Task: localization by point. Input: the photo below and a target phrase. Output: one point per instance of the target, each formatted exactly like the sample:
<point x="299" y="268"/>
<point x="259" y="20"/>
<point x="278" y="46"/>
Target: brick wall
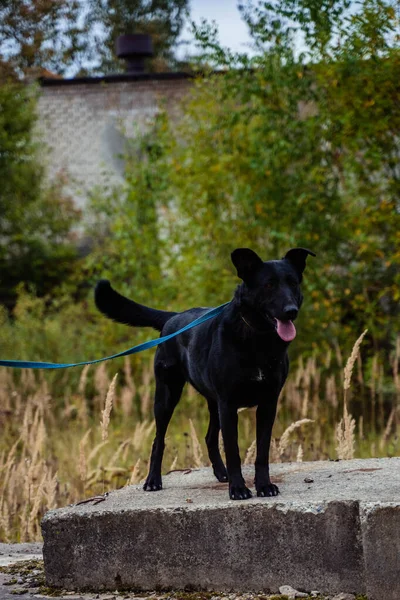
<point x="83" y="124"/>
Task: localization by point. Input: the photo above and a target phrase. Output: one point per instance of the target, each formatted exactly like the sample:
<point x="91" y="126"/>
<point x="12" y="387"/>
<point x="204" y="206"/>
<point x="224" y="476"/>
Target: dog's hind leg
<point x="169" y="386"/>
<point x="212" y="439"/>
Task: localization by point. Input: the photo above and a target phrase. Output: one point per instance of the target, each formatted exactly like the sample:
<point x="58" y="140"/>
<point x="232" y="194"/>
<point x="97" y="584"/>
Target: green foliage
<point x="35" y="223"/>
<point x="41" y="34"/>
<point x="37" y="36"/>
<point x="280" y="150"/>
<point x="162" y="19"/>
<point x="126" y="226"/>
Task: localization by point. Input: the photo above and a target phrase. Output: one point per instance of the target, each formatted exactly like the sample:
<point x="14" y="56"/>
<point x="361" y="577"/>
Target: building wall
<point x="83" y="124"/>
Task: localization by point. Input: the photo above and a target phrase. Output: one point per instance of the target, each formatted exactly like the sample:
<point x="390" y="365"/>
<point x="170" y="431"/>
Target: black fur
<point x="128" y="312"/>
<point x="237" y="359"/>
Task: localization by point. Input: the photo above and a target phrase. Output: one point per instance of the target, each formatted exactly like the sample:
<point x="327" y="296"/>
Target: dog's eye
<point x="269" y="285"/>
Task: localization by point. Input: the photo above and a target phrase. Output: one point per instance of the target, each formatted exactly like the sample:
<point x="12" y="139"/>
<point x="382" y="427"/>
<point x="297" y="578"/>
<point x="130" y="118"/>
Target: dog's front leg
<point x="229" y="424"/>
<point x="265" y="419"/>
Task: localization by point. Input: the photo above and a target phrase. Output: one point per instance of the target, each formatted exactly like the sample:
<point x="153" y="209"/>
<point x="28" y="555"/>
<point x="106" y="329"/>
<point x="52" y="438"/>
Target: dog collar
<point x="253" y="328"/>
<point x="248" y="324"/>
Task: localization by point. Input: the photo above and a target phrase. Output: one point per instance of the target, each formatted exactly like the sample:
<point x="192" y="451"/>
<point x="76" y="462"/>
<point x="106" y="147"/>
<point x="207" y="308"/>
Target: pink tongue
<point x="286" y="330"/>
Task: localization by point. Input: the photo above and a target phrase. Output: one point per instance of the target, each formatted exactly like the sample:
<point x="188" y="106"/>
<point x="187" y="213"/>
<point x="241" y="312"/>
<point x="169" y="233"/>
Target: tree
<point x="162" y="19"/>
<point x="36" y="244"/>
<point x="282" y="149"/>
<point x="42" y="34"/>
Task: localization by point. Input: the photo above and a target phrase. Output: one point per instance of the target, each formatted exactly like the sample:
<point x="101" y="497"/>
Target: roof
<point x="51" y="81"/>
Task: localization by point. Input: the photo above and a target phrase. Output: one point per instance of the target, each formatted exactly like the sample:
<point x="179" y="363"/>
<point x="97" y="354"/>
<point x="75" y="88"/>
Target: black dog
<point x="236" y="359"/>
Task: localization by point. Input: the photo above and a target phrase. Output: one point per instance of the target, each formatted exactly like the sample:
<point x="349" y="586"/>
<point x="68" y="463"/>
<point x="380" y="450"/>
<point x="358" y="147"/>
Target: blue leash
<point x="26" y="364"/>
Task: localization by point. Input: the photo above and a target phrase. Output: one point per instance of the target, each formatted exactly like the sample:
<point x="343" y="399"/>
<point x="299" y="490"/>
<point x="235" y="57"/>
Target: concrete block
<point x="337" y="533"/>
<point x="381" y="542"/>
<point x="242" y="548"/>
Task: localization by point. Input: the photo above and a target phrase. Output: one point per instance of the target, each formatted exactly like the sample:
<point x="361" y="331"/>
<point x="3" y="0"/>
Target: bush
<point x="36" y="240"/>
<point x="278" y="151"/>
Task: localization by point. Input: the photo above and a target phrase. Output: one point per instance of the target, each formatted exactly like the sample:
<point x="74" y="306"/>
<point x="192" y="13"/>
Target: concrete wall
<point x="84" y="122"/>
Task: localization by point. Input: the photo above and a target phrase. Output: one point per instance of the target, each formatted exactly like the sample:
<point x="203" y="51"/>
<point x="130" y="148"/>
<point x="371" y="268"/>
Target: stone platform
<point x="335" y="527"/>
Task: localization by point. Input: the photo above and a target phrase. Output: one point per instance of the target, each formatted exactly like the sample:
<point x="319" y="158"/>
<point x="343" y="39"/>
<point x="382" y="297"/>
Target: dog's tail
<point x="128" y="312"/>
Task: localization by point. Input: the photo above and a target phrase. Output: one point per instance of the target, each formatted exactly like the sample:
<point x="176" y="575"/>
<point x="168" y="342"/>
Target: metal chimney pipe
<point x="134" y="48"/>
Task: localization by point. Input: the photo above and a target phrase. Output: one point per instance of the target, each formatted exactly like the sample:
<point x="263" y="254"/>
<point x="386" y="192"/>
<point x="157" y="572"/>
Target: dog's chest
<point x="254" y="376"/>
<point x="259" y="375"/>
<point x="262" y="374"/>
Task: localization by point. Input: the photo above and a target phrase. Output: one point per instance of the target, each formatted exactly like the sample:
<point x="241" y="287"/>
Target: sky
<point x="233" y="31"/>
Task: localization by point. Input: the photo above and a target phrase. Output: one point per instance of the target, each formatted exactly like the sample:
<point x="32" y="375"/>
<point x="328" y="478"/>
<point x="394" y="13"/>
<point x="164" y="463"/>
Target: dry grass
<point x="345" y="437"/>
<point x="105" y="415"/>
<point x="54" y="452"/>
<point x="196" y="446"/>
<point x="348" y="370"/>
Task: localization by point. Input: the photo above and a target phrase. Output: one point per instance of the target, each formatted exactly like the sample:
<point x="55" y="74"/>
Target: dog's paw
<point x="221" y="474"/>
<point x="153" y="484"/>
<point x="239" y="492"/>
<point x="268" y="489"/>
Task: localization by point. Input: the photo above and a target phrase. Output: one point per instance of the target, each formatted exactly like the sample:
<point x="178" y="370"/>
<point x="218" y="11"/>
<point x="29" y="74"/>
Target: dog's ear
<point x="298" y="256"/>
<point x="246" y="261"/>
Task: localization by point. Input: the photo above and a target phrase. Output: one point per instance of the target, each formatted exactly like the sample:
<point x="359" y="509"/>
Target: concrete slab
<point x="13" y="553"/>
<point x="380" y="526"/>
<point x="332" y="528"/>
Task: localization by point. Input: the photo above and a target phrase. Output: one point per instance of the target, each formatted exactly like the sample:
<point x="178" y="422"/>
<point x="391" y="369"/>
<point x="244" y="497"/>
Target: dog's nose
<point x="290" y="312"/>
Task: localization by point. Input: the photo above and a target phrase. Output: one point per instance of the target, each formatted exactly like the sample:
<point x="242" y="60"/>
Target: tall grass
<point x="63" y="440"/>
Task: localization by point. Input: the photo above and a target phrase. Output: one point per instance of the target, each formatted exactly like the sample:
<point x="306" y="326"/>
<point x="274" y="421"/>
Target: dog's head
<point x="272" y="289"/>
